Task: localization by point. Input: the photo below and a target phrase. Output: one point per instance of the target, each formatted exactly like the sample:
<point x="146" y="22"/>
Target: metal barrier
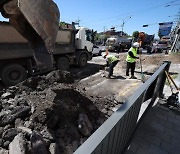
<point x="115" y="133"/>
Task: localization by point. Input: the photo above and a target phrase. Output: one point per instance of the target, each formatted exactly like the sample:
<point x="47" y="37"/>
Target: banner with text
<point x="165" y="28"/>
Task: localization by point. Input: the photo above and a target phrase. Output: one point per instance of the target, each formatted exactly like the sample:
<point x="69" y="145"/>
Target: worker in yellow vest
<point x="112" y="61"/>
<point x="131" y="59"/>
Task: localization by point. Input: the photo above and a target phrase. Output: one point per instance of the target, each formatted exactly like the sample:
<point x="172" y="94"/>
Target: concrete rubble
<point x="44" y="115"/>
<point x="18" y="145"/>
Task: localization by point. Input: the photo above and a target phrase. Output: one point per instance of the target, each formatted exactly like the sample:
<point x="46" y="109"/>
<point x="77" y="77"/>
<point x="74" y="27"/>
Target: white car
<point x="96" y="50"/>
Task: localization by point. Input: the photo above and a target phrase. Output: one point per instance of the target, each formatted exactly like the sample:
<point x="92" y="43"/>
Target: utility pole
<point x="124" y="21"/>
<point x="104" y="29"/>
<point x="123" y="26"/>
<point x="104" y="36"/>
<point x="77" y="22"/>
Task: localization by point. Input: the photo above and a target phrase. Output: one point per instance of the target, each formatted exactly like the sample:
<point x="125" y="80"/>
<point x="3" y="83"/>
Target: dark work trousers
<point x="130" y="66"/>
<point x="111" y="67"/>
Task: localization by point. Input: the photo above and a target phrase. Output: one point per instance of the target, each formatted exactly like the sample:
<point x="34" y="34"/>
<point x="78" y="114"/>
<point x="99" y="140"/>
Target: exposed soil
<point x="57" y="108"/>
<point x="153" y="59"/>
<point x="59" y="112"/>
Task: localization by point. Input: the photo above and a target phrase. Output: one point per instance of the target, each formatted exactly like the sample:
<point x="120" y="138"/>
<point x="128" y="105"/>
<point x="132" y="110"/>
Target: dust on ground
<point x="152" y="59"/>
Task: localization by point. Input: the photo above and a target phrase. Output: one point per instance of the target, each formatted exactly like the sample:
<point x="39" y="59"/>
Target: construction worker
<point x="131" y="60"/>
<point x="112" y="61"/>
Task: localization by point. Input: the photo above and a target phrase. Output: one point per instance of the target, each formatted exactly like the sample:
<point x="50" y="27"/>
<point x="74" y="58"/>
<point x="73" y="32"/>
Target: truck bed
<point x="15" y="50"/>
<point x="14" y="45"/>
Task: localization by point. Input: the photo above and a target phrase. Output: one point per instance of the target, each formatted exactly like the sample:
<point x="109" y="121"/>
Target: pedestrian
<point x="131" y="60"/>
<point x="112" y="61"/>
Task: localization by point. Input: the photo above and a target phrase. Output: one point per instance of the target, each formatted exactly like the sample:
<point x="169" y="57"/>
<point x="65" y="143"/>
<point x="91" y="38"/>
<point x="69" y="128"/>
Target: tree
<point x="97" y="37"/>
<point x="106" y="36"/>
<point x="62" y="24"/>
<point x="135" y="34"/>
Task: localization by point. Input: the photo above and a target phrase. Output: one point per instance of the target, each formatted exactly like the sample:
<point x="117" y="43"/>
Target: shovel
<point x="143" y="79"/>
<point x="103" y="73"/>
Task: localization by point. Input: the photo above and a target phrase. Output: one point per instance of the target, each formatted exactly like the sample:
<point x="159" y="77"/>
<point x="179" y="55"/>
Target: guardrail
<point x="115" y="133"/>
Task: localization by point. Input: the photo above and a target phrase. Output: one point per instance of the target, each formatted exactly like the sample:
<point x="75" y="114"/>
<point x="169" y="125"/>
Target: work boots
<point x="133" y="77"/>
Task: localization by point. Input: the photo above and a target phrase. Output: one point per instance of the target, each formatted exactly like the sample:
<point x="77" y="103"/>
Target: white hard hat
<point x="109" y="47"/>
<point x="136" y="44"/>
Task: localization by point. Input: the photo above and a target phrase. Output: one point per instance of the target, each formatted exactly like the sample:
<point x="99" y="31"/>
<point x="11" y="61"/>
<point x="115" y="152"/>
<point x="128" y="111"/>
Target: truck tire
<point x="63" y="64"/>
<point x="12" y="74"/>
<point x="149" y="50"/>
<point x="82" y="60"/>
<point x="100" y="52"/>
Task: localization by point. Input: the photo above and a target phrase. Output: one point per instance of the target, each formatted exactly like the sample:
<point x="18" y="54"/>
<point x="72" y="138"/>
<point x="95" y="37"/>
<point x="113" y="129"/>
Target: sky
<point x="101" y="15"/>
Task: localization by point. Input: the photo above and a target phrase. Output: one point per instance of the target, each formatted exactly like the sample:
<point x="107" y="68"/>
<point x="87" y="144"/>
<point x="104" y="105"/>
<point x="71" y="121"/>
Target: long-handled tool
<point x="143" y="79"/>
<point x="169" y="77"/>
<point x="103" y="73"/>
<point x="172" y="100"/>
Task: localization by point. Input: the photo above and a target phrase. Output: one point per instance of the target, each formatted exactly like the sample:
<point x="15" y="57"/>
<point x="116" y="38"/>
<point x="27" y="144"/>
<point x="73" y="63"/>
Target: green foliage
<point x="135" y="34"/>
<point x="97" y="37"/>
<point x="101" y="38"/>
<point x="62" y="24"/>
<point x="106" y="36"/>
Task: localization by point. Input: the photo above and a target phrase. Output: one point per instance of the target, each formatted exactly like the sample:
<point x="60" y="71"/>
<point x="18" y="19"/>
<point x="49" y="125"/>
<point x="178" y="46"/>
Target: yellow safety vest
<point x="112" y="59"/>
<point x="129" y="58"/>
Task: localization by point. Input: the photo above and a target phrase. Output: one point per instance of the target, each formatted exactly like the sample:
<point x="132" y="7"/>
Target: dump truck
<point x="73" y="46"/>
<point x="38" y="22"/>
<point x="118" y="44"/>
<point x="146" y="41"/>
<point x="32" y="42"/>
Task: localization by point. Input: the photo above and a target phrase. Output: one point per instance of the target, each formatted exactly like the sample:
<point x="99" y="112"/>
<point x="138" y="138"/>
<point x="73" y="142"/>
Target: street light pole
<point x="124" y="21"/>
<point x="122" y="26"/>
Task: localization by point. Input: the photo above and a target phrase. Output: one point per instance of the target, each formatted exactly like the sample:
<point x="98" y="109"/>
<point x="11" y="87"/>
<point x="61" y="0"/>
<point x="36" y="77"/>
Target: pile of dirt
<point x="157" y="59"/>
<point x="43" y="115"/>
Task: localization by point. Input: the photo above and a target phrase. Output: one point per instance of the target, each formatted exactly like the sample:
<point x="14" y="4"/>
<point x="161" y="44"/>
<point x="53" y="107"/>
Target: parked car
<point x="162" y="45"/>
<point x="96" y="50"/>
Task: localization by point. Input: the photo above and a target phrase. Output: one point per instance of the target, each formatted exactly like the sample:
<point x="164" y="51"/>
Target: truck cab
<point x="84" y="39"/>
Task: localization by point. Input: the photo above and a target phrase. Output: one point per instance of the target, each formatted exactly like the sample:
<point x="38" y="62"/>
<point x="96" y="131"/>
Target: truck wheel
<point x="149" y="50"/>
<point x="83" y="60"/>
<point x="100" y="52"/>
<point x="12" y="74"/>
<point x="63" y="64"/>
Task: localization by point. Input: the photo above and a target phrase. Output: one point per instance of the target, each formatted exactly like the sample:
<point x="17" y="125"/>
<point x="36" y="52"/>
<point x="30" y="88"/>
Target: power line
<point x="134" y="12"/>
<point x="129" y="14"/>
